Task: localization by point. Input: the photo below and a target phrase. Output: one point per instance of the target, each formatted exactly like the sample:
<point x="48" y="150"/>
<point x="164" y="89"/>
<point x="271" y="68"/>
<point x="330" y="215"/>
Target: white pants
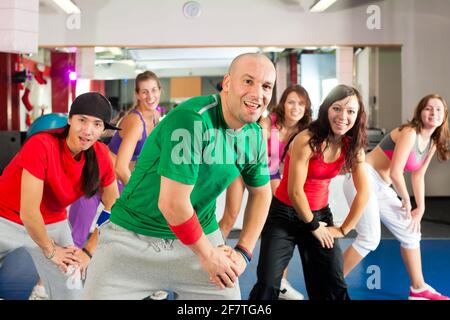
<point x="13" y="236"/>
<point x="383" y="205"/>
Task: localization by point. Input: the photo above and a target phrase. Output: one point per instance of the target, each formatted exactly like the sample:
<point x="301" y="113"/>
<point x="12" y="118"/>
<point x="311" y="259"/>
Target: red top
<point x="48" y="158"/>
<point x="317" y="181"/>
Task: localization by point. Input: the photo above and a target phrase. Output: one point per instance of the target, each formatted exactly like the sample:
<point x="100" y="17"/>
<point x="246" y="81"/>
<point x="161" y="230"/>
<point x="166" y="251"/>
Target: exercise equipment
<point x="48" y="121"/>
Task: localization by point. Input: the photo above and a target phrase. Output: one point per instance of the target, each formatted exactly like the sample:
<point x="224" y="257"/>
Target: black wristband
<point x="245" y="253"/>
<point x="313" y="224"/>
<point x="87" y="253"/>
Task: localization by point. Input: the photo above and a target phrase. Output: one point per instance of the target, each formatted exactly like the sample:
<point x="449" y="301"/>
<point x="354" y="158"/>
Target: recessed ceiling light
<point x="67" y="6"/>
<point x="321" y="5"/>
<point x="272" y="49"/>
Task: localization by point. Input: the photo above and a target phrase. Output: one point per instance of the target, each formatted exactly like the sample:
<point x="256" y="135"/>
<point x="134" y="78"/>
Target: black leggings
<point x="322" y="267"/>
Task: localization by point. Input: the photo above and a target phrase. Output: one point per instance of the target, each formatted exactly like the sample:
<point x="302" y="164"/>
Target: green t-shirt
<point x="192" y="145"/>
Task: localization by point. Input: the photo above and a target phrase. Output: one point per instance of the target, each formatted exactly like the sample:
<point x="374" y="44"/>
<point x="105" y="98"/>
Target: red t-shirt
<point x="48" y="158"/>
<point x="317" y="181"/>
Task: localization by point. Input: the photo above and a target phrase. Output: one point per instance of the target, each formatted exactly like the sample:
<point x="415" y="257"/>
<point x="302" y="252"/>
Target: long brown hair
<point x="279" y="109"/>
<point x="279" y="112"/>
<point x="441" y="134"/>
<point x="356" y="137"/>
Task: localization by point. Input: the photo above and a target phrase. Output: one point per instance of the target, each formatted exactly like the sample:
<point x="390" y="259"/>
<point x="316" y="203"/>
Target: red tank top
<point x="317" y="181"/>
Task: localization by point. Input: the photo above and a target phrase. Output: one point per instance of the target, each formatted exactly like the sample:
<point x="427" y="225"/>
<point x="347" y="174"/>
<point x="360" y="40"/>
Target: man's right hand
<point x="222" y="270"/>
<point x="323" y="235"/>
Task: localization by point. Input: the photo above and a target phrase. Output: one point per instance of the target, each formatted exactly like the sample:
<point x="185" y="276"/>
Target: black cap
<point x="93" y="104"/>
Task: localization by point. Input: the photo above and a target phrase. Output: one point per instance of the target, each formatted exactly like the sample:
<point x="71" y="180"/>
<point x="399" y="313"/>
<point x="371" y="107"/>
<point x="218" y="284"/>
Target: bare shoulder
<point x="301" y="143"/>
<point x="265" y="123"/>
<point x="303" y="137"/>
<point x="406" y="133"/>
<point x="131" y="126"/>
<point x="404" y="139"/>
<point x="130" y="120"/>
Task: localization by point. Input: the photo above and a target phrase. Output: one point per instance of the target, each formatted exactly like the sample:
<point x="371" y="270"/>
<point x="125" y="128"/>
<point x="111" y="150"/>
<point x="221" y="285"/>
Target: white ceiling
<point x="117" y="63"/>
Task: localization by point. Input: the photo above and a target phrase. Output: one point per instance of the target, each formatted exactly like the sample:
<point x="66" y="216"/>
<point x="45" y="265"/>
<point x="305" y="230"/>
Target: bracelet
<point x="51" y="255"/>
<point x="244" y="256"/>
<point x="342" y="231"/>
<point x="313" y="224"/>
<point x="244" y="252"/>
<point x="87" y="252"/>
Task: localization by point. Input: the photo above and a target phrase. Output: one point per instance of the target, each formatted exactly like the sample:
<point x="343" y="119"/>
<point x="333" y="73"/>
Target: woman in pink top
<point x="290" y="116"/>
<point x="407" y="148"/>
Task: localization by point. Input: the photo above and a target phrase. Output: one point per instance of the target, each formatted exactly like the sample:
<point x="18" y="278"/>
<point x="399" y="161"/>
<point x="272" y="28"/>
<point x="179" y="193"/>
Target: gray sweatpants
<point x="127" y="265"/>
<point x="13" y="236"/>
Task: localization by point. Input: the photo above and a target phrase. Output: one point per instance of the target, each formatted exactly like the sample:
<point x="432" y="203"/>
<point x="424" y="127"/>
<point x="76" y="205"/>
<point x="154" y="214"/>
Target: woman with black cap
<point x="52" y="170"/>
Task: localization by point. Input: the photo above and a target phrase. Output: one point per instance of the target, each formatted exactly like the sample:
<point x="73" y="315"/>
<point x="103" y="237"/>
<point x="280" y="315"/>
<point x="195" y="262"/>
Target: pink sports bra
<point x="416" y="157"/>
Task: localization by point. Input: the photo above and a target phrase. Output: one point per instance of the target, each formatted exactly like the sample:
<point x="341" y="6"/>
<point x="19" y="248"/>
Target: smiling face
<point x="294" y="107"/>
<point x="247" y="90"/>
<point x="433" y="114"/>
<point x="148" y="94"/>
<point x="84" y="132"/>
<point x="342" y="115"/>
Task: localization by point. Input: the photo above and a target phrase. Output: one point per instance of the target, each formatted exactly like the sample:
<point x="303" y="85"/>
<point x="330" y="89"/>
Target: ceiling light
<point x="123" y="61"/>
<point x="116" y="51"/>
<point x="129" y="62"/>
<point x="272" y="49"/>
<point x="101" y="49"/>
<point x="321" y="5"/>
<point x="67" y="6"/>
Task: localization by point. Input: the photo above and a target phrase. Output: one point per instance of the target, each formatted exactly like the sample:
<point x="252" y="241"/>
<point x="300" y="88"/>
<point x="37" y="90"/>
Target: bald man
<point x="163" y="233"/>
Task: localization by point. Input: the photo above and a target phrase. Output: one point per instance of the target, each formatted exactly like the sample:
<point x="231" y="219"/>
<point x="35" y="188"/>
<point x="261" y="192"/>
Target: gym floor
<point x="381" y="275"/>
